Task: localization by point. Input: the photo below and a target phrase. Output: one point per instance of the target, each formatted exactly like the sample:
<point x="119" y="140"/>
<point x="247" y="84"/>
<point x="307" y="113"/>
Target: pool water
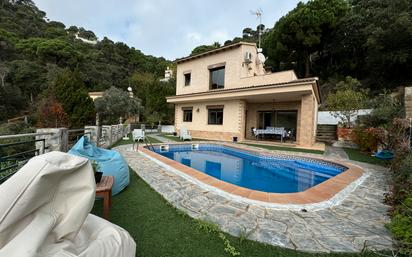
<point x="273" y="174"/>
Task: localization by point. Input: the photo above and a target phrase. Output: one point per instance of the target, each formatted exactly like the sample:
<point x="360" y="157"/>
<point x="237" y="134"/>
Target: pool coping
<point x="325" y="194"/>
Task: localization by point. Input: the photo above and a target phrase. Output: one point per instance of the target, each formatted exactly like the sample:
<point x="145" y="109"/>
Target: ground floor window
<point x="187" y="114"/>
<point x="215" y="116"/>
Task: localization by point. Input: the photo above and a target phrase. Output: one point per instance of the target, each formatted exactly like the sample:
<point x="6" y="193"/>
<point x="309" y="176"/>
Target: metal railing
<point x="148" y="143"/>
<point x="74" y="135"/>
<point x="15" y="154"/>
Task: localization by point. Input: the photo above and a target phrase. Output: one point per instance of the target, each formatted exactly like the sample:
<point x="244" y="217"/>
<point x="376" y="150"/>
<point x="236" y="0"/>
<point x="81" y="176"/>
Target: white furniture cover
<point x="44" y="211"/>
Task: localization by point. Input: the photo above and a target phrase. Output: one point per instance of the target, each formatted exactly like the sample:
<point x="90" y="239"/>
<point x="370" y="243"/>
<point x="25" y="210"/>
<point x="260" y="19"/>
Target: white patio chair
<point x="138" y="134"/>
<point x="184" y="134"/>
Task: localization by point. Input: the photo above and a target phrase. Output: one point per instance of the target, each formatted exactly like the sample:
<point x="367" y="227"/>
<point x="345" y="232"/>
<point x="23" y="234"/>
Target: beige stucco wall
<point x="308" y="114"/>
<point x="237" y="73"/>
<point x="200" y="72"/>
<point x="233" y="120"/>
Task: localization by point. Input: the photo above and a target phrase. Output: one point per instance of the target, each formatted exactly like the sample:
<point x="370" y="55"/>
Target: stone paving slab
<point x="335" y="152"/>
<point x="356" y="224"/>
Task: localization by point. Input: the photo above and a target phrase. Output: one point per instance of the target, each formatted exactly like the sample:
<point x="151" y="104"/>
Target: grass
<point x="153" y="140"/>
<point x="171" y="137"/>
<point x="130" y="141"/>
<point x="356" y="155"/>
<point x="123" y="142"/>
<point x="284" y="148"/>
<point x="161" y="230"/>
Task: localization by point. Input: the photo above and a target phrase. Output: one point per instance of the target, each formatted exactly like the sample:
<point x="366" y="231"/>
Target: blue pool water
<point x="273" y="174"/>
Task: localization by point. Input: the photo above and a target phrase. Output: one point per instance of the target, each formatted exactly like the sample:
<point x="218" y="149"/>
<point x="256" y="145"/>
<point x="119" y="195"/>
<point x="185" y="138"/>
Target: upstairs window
<point x="217" y="78"/>
<point x="215" y="116"/>
<point x="188" y="78"/>
<point x="187" y="114"/>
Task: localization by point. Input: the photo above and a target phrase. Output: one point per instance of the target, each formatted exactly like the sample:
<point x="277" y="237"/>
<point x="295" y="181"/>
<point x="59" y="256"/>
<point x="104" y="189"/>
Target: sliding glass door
<point x="278" y="118"/>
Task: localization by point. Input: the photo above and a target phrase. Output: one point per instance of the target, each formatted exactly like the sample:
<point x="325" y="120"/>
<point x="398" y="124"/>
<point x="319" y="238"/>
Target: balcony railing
<point x="15" y="154"/>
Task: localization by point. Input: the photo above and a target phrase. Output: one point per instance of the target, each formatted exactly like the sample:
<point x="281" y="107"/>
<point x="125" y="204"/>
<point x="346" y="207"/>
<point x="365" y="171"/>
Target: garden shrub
<point x="368" y="139"/>
<point x="13" y="129"/>
<point x="398" y="138"/>
<point x="401" y="224"/>
<point x="385" y="109"/>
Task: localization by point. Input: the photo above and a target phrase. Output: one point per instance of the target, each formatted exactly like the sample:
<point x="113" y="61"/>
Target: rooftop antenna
<point x="258" y="13"/>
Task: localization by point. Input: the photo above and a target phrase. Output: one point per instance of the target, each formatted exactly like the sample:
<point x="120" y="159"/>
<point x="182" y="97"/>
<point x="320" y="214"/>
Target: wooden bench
<point x="104" y="190"/>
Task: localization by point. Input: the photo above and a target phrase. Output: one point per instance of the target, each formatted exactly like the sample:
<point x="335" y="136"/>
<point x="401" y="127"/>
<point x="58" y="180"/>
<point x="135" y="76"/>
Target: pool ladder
<point x="147" y="142"/>
<point x="149" y="145"/>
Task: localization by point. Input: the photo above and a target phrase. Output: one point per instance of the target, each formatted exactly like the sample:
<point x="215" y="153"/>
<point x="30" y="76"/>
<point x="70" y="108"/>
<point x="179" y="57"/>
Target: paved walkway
<point x="356" y="224"/>
<point x="335" y="152"/>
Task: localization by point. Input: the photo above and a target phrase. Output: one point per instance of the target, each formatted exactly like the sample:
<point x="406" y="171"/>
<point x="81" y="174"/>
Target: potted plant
<point x="97" y="173"/>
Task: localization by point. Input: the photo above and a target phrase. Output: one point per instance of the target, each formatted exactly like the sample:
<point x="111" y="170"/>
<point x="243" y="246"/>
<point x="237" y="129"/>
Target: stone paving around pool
<point x="356" y="224"/>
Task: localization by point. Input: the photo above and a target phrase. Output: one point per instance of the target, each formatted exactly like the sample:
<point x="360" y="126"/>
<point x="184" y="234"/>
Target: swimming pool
<point x="251" y="170"/>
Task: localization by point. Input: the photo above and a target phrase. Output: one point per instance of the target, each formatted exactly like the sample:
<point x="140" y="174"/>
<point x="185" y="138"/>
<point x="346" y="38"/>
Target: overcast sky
<point x="165" y="27"/>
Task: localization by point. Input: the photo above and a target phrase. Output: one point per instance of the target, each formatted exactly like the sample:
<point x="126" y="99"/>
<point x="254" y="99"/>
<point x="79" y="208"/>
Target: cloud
<point x="164" y="27"/>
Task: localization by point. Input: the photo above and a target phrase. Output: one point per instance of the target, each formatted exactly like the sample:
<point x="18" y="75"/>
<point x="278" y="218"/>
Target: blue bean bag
<point x="111" y="162"/>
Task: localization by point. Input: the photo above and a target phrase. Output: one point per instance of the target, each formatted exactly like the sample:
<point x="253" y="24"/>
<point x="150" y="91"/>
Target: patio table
<point x="104" y="190"/>
<point x="271" y="131"/>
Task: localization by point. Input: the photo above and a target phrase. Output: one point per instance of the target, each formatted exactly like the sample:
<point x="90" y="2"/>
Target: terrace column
<point x="306" y="124"/>
<point x="242" y="120"/>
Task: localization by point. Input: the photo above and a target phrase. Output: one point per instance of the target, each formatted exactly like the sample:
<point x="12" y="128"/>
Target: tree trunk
<point x="2" y="80"/>
<point x="307" y="65"/>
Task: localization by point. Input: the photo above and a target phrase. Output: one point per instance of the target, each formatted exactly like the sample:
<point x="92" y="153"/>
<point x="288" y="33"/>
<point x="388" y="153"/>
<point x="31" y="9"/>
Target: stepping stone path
<point x="356" y="224"/>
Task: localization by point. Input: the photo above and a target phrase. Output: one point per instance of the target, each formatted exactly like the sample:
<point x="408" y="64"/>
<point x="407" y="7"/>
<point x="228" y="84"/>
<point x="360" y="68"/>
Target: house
<point x="95" y="95"/>
<point x="226" y="94"/>
<point x="168" y="75"/>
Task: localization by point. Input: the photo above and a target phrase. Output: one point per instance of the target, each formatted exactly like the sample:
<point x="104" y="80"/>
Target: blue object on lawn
<point x="385" y="155"/>
<point x="111" y="162"/>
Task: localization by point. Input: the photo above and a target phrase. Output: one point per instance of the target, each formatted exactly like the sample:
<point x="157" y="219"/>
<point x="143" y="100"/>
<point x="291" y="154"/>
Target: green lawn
<point x="356" y="155"/>
<point x="171" y="137"/>
<point x="153" y="140"/>
<point x="161" y="230"/>
<point x="130" y="141"/>
<point x="123" y="142"/>
<point x="284" y="148"/>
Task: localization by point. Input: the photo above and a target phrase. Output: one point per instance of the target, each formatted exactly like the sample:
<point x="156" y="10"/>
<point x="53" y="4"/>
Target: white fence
<point x="326" y="118"/>
<point x="167" y="129"/>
